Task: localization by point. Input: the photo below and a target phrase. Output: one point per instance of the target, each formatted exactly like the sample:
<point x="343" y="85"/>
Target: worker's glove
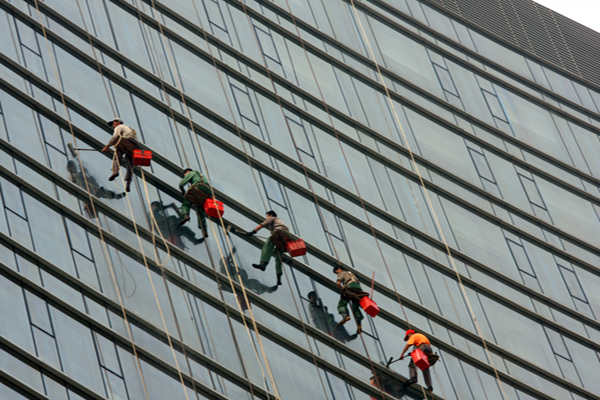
<point x="250" y="233"/>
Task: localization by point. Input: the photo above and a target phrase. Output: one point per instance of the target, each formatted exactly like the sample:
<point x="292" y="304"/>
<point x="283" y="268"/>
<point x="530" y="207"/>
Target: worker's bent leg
<point x="129" y="172"/>
<point x="427" y="376"/>
<point x="115" y="163"/>
<point x="201" y="218"/>
<point x="357" y="313"/>
<point x="343" y="307"/>
<point x="412" y="371"/>
<point x="267" y="251"/>
<point x="185" y="207"/>
<point x="278" y="259"/>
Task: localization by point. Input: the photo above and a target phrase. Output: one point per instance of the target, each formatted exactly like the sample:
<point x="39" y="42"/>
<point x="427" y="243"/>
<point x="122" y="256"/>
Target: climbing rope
<point x="104" y="246"/>
<point x="255" y="327"/>
<point x="432" y="210"/>
<point x="251" y="25"/>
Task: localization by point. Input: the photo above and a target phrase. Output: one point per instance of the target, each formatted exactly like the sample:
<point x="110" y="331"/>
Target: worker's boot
<point x="198" y="241"/>
<point x="113" y="176"/>
<point x="411" y="381"/>
<point x="344" y="320"/>
<point x="184" y="219"/>
<point x="359" y="330"/>
<point x="128" y="186"/>
<point x="262" y="266"/>
<point x="278" y="280"/>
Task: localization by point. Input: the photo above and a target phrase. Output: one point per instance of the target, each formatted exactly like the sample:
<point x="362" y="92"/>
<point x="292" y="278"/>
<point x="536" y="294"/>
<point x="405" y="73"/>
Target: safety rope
<point x="441" y="233"/>
<point x="154" y="56"/>
<point x="104" y="246"/>
<point x="153" y="224"/>
<point x="310" y="347"/>
<point x="110" y="100"/>
<point x="155" y="293"/>
<point x="115" y="158"/>
<point x="255" y="327"/>
<point x="300" y="156"/>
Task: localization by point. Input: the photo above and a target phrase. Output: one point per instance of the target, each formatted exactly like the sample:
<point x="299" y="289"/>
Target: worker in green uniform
<point x="274" y="245"/>
<point x="350" y="292"/>
<point x="196" y="194"/>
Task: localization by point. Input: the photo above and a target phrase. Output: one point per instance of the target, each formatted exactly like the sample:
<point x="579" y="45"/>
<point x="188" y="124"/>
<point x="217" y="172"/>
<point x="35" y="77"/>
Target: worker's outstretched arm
<point x="339" y="283"/>
<point x="404" y="351"/>
<point x="254" y="231"/>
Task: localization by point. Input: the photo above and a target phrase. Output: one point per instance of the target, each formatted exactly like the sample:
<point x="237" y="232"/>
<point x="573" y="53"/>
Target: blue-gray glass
<point x="365" y="167"/>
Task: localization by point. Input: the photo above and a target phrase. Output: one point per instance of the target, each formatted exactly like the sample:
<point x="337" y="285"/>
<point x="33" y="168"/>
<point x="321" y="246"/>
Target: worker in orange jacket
<point x="419" y="341"/>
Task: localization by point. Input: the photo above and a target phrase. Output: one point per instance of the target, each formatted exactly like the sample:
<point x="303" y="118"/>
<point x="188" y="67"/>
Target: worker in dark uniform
<point x="275" y="244"/>
<point x="325" y="321"/>
<point x="169" y="225"/>
<point x="124" y="139"/>
<point x="419" y="341"/>
<point x="350" y="292"/>
<point x="197" y="193"/>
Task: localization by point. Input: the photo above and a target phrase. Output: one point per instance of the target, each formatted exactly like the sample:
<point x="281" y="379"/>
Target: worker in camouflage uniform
<point x="125" y="141"/>
<point x="274" y="245"/>
<point x="350" y="292"/>
<point x="197" y="193"/>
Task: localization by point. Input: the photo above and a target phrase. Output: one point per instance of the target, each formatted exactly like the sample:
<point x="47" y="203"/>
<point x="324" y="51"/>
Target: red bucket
<point x="420" y="359"/>
<point x="142" y="157"/>
<point x="213" y="208"/>
<point x="296" y="248"/>
<point x="369" y="306"/>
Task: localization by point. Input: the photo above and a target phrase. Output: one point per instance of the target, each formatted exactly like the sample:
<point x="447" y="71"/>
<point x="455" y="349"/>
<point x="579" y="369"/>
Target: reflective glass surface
<point x="465" y="202"/>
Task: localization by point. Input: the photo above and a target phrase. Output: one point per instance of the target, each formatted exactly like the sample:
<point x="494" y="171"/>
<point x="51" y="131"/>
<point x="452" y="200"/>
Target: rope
<point x="96" y="58"/>
<point x="287" y="279"/>
<point x="438" y="225"/>
<point x="104" y="246"/>
<point x="269" y="371"/>
<point x="153" y="223"/>
<point x="300" y="156"/>
<point x="209" y="47"/>
<point x="160" y="77"/>
<point x="346" y="162"/>
<point x="162" y="317"/>
<point x="115" y="158"/>
<point x="240" y="306"/>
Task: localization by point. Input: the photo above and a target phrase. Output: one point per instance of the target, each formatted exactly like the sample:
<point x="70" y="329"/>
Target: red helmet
<point x="408" y="332"/>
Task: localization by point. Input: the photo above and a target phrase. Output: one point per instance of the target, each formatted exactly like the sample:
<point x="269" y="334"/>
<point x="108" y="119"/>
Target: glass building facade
<point x="397" y="140"/>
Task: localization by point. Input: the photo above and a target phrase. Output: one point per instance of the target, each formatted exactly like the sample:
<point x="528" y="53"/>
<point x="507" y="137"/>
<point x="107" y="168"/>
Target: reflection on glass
<point x="325" y="321"/>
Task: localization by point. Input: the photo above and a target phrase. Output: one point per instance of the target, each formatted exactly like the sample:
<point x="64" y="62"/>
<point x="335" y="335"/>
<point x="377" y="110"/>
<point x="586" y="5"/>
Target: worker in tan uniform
<point x="350" y="292"/>
<point x="125" y="141"/>
<point x="274" y="245"/>
<point x="419" y="341"/>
